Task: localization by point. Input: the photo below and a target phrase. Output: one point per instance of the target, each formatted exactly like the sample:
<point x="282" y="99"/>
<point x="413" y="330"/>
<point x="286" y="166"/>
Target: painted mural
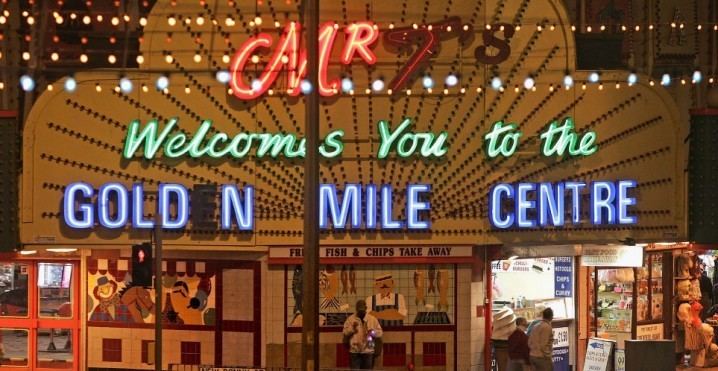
<point x="188" y="299"/>
<point x="396" y="295"/>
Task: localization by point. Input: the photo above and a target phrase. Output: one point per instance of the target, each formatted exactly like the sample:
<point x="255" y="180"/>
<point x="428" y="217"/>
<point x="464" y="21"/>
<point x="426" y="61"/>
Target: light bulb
<point x="125" y="85"/>
<point x="427" y="82"/>
<point x="529" y="83"/>
<point x="27" y="83"/>
<point x="377" y="85"/>
<point x="162" y="83"/>
<point x="70" y="84"/>
<point x="223" y="76"/>
<point x="568" y="81"/>
<point x="632" y="79"/>
<point x="496" y="83"/>
<point x="305" y="86"/>
<point x="347" y="85"/>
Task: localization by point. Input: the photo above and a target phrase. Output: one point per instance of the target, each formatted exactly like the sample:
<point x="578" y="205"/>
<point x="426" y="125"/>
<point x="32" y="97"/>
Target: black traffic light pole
<point x="158" y="292"/>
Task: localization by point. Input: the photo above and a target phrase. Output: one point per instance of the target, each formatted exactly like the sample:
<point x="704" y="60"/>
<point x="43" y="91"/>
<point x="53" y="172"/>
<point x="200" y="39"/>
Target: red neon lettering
<point x="240" y="89"/>
<point x="327" y="35"/>
<point x="430" y="38"/>
<point x="288" y="46"/>
<point x="360" y="36"/>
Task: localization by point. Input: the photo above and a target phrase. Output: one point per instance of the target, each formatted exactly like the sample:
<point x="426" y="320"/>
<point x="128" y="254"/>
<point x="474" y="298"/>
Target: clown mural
<point x="109" y="307"/>
<point x="187" y="300"/>
<point x="386" y="305"/>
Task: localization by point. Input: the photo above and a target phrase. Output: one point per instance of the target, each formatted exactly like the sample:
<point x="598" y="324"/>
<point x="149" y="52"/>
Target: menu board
<point x="598" y="354"/>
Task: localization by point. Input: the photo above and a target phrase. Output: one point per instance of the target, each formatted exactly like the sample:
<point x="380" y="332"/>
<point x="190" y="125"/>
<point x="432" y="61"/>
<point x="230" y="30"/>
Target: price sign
<point x="560" y="349"/>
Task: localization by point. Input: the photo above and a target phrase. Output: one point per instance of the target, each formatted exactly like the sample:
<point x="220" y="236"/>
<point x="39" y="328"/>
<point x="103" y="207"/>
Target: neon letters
<point x="503" y="140"/>
<point x="360" y="37"/>
<point x="173" y="143"/>
<point x="531" y="205"/>
<point x="359" y="40"/>
<point x="116" y="207"/>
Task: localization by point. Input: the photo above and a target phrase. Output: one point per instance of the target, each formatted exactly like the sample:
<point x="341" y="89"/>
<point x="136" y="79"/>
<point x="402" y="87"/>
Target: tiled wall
<point x="273" y="319"/>
<point x="132" y="346"/>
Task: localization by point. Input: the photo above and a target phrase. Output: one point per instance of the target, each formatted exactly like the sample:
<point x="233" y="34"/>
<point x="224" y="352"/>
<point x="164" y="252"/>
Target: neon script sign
<point x="359" y="40"/>
<point x="173" y="143"/>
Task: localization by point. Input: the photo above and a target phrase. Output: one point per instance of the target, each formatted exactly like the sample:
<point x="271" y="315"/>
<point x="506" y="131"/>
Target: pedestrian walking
<point x="541" y="342"/>
<point x="361" y="334"/>
<point x="519" y="347"/>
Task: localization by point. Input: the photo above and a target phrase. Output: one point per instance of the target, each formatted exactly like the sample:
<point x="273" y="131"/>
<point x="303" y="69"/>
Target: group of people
<point x="531" y="345"/>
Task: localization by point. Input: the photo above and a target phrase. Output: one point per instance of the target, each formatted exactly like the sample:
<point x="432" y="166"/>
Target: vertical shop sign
<point x="560" y="349"/>
<point x="563" y="274"/>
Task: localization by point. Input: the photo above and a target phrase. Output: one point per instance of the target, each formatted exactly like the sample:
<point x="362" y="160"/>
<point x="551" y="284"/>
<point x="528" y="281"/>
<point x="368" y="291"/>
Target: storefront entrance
<point x="39" y="307"/>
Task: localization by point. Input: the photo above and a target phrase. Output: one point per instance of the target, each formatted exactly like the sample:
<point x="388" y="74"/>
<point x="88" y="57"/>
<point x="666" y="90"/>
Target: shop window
<point x="148" y="349"/>
<point x="191" y="352"/>
<point x="434" y="354"/>
<point x="650" y="289"/>
<point x="13" y="290"/>
<point x="112" y="350"/>
<point x="54" y="285"/>
<point x="342" y="356"/>
<point x="394" y="354"/>
<point x="13" y="347"/>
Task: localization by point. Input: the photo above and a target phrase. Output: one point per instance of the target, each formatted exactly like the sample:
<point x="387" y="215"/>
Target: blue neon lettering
<point x="624" y="202"/>
<point x="232" y="204"/>
<point x="103" y="199"/>
<point x="138" y="203"/>
<point x="182" y="216"/>
<point x="523" y="204"/>
<point x="86" y="219"/>
<point x="413" y="206"/>
<point x="603" y="195"/>
<point x="551" y="202"/>
<point x="495" y="206"/>
<point x="387" y="220"/>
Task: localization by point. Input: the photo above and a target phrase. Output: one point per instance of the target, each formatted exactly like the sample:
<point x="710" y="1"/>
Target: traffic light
<point x="142" y="264"/>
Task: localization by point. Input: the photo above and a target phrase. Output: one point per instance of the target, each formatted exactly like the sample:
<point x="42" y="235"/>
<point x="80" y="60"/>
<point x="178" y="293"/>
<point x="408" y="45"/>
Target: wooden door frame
<point x="33" y="321"/>
<point x="254" y="326"/>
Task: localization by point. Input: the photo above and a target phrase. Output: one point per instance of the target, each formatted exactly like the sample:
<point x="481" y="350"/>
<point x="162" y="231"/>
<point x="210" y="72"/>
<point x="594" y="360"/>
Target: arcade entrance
<point x="39" y="312"/>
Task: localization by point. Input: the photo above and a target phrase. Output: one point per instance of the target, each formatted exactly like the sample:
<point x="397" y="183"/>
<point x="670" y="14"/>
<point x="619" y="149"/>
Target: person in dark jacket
<point x="519" y="347"/>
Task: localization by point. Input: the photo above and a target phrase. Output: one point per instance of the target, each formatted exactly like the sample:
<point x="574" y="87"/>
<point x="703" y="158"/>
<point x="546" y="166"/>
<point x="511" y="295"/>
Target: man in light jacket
<point x="361" y="330"/>
<point x="541" y="343"/>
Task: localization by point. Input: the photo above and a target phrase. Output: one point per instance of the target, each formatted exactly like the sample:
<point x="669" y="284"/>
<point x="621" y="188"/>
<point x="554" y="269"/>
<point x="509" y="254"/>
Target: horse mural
<point x="138" y="300"/>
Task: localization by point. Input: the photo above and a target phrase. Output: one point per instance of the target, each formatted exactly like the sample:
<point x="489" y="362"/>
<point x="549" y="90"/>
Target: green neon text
<point x="174" y="143"/>
<point x="503" y="140"/>
<point x="406" y="143"/>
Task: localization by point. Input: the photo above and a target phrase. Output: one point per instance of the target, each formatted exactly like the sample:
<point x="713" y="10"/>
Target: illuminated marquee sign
<point x="370" y="206"/>
<point x="114" y="207"/>
<point x="359" y="39"/>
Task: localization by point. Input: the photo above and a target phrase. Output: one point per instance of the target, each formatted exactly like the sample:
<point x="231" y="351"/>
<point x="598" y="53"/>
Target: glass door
<point x="39" y="307"/>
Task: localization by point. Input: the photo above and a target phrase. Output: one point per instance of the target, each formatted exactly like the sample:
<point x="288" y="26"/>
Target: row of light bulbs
<point x="162" y="83"/>
<point x="229" y="21"/>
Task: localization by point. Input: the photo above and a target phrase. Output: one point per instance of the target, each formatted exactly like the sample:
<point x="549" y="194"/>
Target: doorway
<point x="39" y="308"/>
